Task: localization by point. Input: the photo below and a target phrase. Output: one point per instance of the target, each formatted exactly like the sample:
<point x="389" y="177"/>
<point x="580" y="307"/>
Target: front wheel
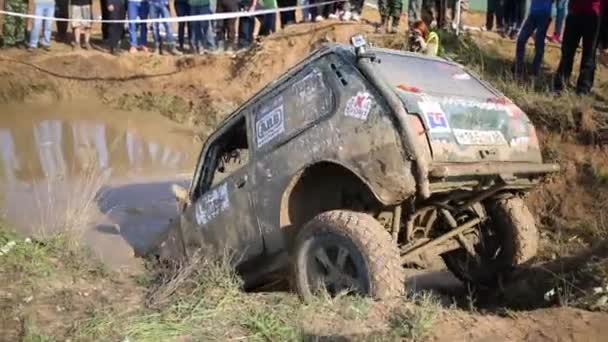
<point x="346" y="252"/>
<point x="507" y="240"/>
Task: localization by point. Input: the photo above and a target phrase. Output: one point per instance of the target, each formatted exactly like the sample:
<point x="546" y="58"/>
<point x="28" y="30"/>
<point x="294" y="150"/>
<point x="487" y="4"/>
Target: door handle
<point x="241" y="182"/>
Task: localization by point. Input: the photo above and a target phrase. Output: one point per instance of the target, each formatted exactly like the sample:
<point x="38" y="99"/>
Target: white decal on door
<point x="213" y="203"/>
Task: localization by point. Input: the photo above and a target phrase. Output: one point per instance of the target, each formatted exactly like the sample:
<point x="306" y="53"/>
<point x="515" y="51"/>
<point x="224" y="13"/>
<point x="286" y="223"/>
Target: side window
<point x="227" y="154"/>
<point x="299" y="103"/>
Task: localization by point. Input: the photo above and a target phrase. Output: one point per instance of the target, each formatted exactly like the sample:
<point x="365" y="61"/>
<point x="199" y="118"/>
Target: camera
<point x="414" y="41"/>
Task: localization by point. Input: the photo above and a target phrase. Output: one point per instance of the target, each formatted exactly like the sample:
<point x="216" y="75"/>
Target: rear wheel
<point x="508" y="239"/>
<point x="346" y="252"/>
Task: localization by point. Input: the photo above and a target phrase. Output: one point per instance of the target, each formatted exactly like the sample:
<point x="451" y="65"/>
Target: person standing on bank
<point x="495" y="10"/>
<point x="138" y="9"/>
<point x="105" y="15"/>
<point x="13" y="30"/>
<point x="82" y="15"/>
<point x="560" y="16"/>
<point x="182" y="9"/>
<point x="42" y="8"/>
<point x="226" y="28"/>
<point x="62" y="10"/>
<point x="116" y="11"/>
<point x="200" y="31"/>
<point x="539" y="18"/>
<point x="159" y="9"/>
<point x="582" y="22"/>
<point x="287" y="17"/>
<point x="389" y="9"/>
<point x="268" y="22"/>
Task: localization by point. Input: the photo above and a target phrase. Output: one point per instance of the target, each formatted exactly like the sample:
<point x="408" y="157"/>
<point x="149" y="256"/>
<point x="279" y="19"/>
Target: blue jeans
<point x="560" y="16"/>
<point x="161" y="10"/>
<point x="43" y="10"/>
<point x="200" y="29"/>
<point x="306" y="13"/>
<point x="134" y="10"/>
<point x="538" y="22"/>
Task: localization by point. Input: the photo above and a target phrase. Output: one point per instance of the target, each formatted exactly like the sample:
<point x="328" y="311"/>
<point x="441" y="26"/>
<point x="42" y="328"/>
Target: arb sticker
<point x="269" y="125"/>
<point x="359" y="106"/>
<point x="435" y="117"/>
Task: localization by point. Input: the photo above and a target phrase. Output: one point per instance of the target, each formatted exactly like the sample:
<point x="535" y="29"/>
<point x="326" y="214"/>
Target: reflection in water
<point x="61" y="151"/>
<point x="87" y="136"/>
<point x="52" y="168"/>
<point x="10" y="162"/>
<point x="47" y="135"/>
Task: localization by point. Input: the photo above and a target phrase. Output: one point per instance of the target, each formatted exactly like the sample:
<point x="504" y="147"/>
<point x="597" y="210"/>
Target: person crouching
<point x="420" y="40"/>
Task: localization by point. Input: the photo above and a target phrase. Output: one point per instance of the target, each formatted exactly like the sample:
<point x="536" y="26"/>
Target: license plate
<point x="472" y="137"/>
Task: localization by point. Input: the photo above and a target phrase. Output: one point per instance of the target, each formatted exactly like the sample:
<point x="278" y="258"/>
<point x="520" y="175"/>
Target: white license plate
<point x="473" y="137"/>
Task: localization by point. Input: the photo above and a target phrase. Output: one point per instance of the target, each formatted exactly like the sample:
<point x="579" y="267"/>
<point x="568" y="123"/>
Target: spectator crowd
<point x="576" y="22"/>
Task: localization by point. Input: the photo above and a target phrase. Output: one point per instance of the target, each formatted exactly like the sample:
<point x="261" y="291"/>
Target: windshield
<point x="430" y="76"/>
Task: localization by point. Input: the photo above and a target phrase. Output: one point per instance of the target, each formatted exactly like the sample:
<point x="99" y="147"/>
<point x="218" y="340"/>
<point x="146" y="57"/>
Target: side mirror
<point x="181" y="196"/>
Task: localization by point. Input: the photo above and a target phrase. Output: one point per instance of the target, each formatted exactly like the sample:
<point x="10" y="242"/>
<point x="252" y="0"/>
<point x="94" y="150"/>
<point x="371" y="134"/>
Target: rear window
<point x="430" y="76"/>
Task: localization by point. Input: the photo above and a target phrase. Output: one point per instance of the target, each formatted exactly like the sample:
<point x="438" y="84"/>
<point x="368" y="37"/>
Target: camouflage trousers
<point x="390" y="8"/>
<point x="13" y="32"/>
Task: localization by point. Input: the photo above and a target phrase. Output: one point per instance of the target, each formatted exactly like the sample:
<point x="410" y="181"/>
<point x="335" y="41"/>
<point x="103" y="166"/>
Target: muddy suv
<point x="360" y="163"/>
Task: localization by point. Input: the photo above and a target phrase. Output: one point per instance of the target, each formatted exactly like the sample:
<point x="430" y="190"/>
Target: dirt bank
<point x="199" y="91"/>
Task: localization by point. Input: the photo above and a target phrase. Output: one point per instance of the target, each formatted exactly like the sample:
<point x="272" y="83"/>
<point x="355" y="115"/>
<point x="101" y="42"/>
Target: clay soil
<point x="571" y="207"/>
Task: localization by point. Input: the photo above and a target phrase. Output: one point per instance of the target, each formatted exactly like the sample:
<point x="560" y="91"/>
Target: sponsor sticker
<point x="359" y="106"/>
<point x="212" y="204"/>
<point x="269" y="125"/>
<point x="435" y="117"/>
<point x="475" y="137"/>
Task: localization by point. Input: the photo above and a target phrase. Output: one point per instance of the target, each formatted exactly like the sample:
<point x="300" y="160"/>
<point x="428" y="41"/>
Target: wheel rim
<point x="335" y="266"/>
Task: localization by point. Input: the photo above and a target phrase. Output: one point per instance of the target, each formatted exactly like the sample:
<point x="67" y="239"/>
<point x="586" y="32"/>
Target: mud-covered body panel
<point x="357" y="133"/>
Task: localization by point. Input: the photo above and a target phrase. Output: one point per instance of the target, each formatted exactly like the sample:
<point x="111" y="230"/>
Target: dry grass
<point x="65" y="205"/>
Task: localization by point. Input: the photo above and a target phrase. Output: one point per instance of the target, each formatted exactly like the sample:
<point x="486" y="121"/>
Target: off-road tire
<point x="380" y="254"/>
<point x="518" y="235"/>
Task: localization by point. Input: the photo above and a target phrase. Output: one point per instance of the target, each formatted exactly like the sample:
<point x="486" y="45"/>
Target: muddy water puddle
<point x="105" y="173"/>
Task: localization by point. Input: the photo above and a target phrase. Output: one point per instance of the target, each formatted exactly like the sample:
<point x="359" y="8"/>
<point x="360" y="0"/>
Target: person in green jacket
<point x="13" y="31"/>
<point x="421" y="40"/>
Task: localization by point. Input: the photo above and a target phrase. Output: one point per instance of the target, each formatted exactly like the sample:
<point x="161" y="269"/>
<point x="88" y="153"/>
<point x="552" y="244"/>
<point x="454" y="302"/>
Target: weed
<point x="415" y="321"/>
<point x="267" y="325"/>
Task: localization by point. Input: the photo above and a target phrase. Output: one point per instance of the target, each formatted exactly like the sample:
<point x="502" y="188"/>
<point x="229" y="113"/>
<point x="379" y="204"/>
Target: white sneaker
<point x="333" y="16"/>
<point x="346" y="16"/>
<point x="356" y="17"/>
<point x="319" y="18"/>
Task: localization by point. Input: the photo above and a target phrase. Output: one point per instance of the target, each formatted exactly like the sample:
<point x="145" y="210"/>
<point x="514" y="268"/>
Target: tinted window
<point x="430" y="76"/>
<point x="296" y="106"/>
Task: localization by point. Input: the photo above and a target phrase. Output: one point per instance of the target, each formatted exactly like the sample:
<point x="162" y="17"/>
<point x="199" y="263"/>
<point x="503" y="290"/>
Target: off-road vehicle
<point x="360" y="162"/>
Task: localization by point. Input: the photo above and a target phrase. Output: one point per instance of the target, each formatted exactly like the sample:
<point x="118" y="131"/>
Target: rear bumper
<point x="506" y="170"/>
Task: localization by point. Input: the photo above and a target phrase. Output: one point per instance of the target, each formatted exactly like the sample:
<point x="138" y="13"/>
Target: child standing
<point x="82" y="15"/>
<point x="538" y="20"/>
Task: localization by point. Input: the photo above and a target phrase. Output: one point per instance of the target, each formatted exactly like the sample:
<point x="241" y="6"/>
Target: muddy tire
<point x="514" y="242"/>
<point x="341" y="251"/>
